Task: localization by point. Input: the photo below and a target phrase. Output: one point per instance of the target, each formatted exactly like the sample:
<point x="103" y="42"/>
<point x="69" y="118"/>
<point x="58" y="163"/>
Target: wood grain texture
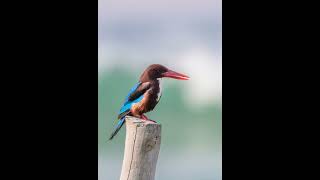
<point x="142" y="148"/>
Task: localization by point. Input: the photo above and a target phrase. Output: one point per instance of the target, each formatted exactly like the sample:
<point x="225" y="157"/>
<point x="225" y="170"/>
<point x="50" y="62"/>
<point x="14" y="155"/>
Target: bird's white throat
<point x="160" y="89"/>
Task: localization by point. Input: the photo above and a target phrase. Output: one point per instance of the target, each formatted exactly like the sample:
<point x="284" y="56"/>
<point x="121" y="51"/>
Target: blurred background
<point x="184" y="35"/>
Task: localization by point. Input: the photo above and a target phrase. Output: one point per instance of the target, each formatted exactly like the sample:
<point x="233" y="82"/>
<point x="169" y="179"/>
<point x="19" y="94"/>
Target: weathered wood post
<point x="142" y="148"/>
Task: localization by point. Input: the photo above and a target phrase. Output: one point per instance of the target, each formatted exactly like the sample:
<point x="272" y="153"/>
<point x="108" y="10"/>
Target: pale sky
<point x="130" y="8"/>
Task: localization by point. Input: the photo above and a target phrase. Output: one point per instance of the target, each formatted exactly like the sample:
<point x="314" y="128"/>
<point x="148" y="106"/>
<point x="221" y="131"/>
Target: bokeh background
<point x="184" y="35"/>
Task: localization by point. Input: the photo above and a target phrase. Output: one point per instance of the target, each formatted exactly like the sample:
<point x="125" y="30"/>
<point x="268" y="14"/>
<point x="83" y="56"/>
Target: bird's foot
<point x="147" y="119"/>
<point x="144" y="117"/>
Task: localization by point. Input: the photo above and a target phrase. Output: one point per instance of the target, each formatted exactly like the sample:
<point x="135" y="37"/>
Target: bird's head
<point x="156" y="71"/>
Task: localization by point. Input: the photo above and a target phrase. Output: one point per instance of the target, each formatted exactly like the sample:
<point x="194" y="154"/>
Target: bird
<point x="145" y="94"/>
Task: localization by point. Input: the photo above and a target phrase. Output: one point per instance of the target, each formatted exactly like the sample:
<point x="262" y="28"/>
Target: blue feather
<point x="125" y="107"/>
<point x="117" y="128"/>
<point x="131" y="91"/>
<point x="128" y="104"/>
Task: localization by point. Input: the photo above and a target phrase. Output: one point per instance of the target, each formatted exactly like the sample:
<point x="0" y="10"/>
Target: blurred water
<point x="172" y="167"/>
<point x="191" y="139"/>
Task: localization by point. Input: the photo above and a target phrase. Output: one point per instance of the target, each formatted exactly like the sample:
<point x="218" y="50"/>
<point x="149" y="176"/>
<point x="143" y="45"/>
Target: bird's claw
<point x="147" y="119"/>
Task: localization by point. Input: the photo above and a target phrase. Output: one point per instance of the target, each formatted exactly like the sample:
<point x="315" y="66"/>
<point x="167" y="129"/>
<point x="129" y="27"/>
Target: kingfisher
<point x="145" y="94"/>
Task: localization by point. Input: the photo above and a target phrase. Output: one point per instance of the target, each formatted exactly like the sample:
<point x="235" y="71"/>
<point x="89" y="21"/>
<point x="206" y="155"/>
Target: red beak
<point x="175" y="75"/>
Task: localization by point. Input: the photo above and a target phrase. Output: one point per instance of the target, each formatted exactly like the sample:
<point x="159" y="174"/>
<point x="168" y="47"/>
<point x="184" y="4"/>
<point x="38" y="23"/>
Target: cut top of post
<point x="139" y="122"/>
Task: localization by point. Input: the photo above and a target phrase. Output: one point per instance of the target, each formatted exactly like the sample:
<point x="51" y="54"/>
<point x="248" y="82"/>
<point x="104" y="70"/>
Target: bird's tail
<point x="117" y="128"/>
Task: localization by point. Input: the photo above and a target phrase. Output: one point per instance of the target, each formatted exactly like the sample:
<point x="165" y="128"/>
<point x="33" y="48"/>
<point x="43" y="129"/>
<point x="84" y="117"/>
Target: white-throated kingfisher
<point x="145" y="95"/>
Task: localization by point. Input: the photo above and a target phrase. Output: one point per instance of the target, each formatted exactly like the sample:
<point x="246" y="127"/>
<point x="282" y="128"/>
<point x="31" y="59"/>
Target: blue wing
<point x="125" y="109"/>
<point x="133" y="89"/>
<point x="128" y="104"/>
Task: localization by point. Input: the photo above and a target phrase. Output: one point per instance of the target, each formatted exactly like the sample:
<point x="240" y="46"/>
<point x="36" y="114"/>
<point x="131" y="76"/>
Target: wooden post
<point x="141" y="149"/>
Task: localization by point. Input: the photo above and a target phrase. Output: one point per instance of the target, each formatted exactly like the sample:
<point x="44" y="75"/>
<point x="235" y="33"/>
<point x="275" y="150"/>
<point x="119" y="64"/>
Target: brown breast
<point x="149" y="100"/>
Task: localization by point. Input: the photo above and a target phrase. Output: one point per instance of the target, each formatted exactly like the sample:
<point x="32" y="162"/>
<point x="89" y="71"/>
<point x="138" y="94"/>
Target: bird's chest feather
<point x="151" y="98"/>
<point x="159" y="94"/>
